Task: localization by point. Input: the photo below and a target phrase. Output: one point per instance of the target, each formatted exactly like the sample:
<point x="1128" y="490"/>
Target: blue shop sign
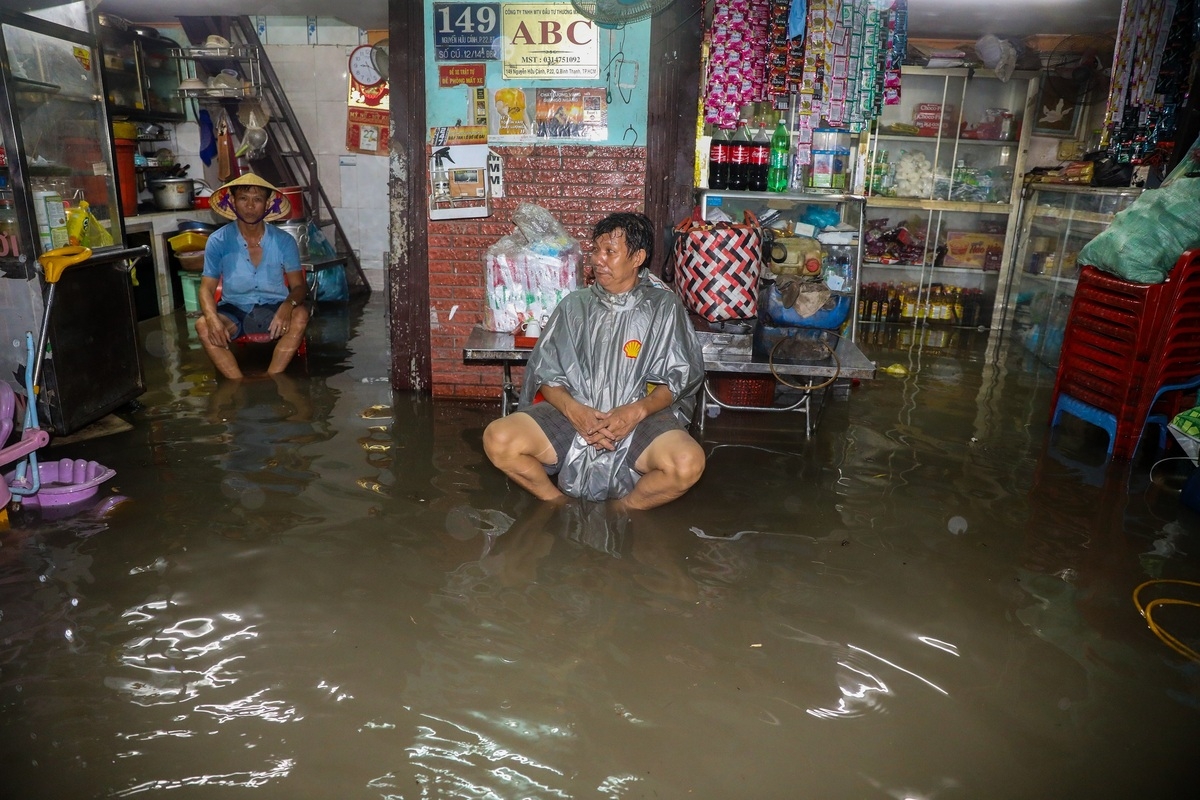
<point x="466" y="31"/>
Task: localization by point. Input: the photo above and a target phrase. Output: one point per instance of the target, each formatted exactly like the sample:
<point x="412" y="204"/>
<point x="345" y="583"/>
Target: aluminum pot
<point x="173" y="194"/>
<point x="298" y="230"/>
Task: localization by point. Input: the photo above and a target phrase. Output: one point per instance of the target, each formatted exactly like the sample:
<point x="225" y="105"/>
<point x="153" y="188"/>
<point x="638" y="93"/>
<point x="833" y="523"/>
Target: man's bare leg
<point x="519" y="448"/>
<point x="222" y="358"/>
<point x="670" y="466"/>
<point x="289" y="343"/>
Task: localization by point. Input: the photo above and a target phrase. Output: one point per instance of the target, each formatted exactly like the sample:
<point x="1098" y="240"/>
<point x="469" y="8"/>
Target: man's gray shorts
<point x="560" y="432"/>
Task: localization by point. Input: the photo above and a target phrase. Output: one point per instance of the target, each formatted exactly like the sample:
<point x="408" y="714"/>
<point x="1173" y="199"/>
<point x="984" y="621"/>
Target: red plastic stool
<point x="265" y="338"/>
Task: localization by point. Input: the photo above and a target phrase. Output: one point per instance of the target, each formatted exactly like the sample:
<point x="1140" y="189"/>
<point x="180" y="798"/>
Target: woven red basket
<point x="756" y="391"/>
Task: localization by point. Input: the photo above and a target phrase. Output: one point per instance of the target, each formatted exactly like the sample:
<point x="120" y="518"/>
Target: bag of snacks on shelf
<point x="84" y="229"/>
<point x="1145" y="240"/>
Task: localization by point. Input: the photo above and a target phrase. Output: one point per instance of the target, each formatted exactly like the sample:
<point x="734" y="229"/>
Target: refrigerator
<point x="57" y="148"/>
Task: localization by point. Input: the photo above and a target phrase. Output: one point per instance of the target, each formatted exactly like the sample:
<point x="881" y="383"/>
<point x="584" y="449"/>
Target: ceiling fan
<point x="615" y="13"/>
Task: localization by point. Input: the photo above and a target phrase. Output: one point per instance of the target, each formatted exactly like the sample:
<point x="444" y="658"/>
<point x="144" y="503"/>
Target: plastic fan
<point x="1079" y="68"/>
<point x="615" y="13"/>
<point x="379" y="57"/>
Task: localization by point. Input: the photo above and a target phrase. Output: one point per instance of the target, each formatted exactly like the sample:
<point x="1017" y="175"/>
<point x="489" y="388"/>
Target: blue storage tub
<point x="776" y="313"/>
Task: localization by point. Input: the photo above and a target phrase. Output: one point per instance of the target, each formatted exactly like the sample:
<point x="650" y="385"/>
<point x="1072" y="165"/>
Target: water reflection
<point x="916" y="602"/>
<point x="266" y="429"/>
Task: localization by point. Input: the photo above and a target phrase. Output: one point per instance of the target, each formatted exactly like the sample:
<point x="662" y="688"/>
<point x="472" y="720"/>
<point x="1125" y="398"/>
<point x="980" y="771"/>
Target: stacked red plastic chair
<point x="1131" y="353"/>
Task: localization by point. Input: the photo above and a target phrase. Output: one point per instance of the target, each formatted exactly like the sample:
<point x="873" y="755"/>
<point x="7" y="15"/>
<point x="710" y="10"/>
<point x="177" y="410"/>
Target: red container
<point x="757" y="391"/>
<point x="295" y="196"/>
<point x="126" y="175"/>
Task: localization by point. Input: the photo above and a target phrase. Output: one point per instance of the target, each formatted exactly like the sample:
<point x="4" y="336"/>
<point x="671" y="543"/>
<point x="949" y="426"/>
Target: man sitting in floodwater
<point x="618" y="367"/>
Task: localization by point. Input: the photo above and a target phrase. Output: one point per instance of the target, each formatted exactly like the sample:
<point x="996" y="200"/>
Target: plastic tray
<point x="187" y="241"/>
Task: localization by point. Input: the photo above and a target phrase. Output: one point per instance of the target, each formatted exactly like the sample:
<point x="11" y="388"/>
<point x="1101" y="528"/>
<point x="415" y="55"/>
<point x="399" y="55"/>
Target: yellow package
<point x="84" y="229"/>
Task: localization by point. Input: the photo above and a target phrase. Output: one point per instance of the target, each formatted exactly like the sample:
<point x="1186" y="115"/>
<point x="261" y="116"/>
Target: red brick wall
<point x="578" y="184"/>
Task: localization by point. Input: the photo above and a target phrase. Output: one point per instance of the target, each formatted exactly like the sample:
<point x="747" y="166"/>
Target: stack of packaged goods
<point x="827" y="65"/>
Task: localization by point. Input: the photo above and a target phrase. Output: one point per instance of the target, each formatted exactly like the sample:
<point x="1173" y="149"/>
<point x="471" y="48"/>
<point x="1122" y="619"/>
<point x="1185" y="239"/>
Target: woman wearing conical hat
<point x="257" y="267"/>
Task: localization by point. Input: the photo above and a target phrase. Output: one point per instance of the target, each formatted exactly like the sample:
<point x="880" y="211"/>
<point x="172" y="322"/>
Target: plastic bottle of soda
<point x="777" y="172"/>
<point x="718" y="160"/>
<point x="739" y="158"/>
<point x="760" y="156"/>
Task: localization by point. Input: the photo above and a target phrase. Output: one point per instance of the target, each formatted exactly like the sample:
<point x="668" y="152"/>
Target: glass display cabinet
<point x="58" y="154"/>
<point x="141" y="76"/>
<point x="55" y="132"/>
<point x="1056" y="221"/>
<point x="938" y="174"/>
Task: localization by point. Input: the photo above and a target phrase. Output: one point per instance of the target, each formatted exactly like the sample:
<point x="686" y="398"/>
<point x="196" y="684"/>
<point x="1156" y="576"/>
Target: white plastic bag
<point x="529" y="271"/>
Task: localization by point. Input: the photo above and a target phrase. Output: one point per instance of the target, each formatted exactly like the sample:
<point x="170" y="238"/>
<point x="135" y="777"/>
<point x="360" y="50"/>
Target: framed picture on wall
<point x="1058" y="113"/>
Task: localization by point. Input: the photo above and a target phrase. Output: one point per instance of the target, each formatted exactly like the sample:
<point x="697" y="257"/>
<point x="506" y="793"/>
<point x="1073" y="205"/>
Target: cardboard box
<point x="971" y="249"/>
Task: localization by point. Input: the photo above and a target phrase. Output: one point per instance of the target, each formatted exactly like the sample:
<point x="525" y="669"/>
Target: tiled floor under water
<point x="316" y="590"/>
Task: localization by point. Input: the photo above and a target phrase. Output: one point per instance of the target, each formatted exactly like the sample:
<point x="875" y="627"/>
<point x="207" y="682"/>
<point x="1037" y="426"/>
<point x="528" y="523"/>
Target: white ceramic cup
<point x="532" y="327"/>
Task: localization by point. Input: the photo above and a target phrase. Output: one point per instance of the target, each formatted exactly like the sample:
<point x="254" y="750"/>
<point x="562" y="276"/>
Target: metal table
<point x="489" y="347"/>
<point x="850" y="364"/>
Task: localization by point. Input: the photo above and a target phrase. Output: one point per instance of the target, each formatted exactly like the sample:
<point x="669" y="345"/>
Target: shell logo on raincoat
<point x="632" y="348"/>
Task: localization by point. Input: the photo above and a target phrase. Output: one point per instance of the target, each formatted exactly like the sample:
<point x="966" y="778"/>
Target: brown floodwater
<point x="316" y="589"/>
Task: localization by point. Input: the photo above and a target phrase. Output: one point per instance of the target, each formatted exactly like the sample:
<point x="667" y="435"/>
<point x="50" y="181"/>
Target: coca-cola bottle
<point x="760" y="158"/>
<point x="739" y="158"/>
<point x="718" y="160"/>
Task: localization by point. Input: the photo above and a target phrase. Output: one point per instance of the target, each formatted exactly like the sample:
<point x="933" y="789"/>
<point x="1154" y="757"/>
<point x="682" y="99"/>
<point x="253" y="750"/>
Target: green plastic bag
<point x="1145" y="240"/>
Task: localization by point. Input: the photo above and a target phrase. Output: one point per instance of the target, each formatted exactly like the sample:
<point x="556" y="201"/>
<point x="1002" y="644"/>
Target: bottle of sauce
<point x="9" y="241"/>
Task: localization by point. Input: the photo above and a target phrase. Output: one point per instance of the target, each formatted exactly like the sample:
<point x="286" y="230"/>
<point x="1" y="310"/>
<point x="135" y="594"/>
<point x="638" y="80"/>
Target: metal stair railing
<point x="290" y="160"/>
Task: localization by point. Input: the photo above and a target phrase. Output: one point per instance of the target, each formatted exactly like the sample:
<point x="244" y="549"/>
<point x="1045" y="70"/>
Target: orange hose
<point x="1146" y="611"/>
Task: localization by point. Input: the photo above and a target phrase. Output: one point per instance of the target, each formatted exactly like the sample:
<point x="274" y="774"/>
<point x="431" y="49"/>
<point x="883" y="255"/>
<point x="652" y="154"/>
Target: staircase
<point x="287" y="159"/>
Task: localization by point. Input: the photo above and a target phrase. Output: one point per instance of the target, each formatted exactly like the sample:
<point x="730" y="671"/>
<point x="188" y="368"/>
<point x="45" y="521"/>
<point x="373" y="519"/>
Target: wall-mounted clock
<point x="362" y="66"/>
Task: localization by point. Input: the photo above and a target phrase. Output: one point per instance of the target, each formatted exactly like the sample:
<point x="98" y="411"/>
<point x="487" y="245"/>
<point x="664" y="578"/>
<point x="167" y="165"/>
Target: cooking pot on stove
<point x="173" y="194"/>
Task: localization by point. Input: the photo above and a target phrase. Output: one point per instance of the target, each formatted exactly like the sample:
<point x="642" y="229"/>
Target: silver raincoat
<point x="604" y="349"/>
